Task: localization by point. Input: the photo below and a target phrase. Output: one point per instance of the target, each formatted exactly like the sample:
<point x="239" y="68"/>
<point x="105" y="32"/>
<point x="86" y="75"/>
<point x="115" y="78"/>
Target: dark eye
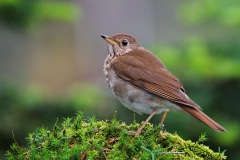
<point x="124" y="42"/>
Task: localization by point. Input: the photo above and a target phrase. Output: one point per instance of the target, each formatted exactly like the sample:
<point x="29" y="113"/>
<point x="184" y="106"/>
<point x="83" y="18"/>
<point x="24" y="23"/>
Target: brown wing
<point x="146" y="71"/>
<point x="138" y="67"/>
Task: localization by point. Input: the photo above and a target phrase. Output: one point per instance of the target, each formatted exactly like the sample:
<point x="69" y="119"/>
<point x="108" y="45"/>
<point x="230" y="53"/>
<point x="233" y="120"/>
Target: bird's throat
<point x="111" y="51"/>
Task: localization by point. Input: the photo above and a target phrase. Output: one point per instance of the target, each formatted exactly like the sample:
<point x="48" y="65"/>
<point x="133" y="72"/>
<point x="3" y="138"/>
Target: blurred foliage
<point x="22" y="14"/>
<point x="224" y="13"/>
<point x="82" y="95"/>
<point x="85" y="138"/>
<point x="209" y="66"/>
<point x="23" y="108"/>
<point x="204" y="60"/>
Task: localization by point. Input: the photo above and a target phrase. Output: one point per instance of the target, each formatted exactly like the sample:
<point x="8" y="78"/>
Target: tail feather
<point x="204" y="118"/>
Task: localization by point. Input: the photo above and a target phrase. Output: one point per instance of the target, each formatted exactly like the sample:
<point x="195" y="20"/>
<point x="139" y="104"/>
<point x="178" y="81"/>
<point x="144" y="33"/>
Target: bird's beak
<point x="109" y="40"/>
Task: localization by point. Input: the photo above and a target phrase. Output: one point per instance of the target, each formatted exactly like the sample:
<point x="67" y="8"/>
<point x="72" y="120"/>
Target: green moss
<point x="80" y="137"/>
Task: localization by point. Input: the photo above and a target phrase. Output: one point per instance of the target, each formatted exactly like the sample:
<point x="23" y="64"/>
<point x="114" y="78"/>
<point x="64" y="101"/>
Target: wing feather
<point x="137" y="67"/>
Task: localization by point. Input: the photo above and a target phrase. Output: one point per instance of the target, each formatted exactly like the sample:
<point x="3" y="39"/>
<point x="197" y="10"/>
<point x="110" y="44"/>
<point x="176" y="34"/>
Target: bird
<point x="142" y="83"/>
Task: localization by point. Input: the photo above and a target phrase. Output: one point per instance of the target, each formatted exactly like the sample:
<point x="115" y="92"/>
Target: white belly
<point x="136" y="99"/>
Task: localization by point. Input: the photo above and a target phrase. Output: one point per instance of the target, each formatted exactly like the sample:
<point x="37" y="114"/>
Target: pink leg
<point x="163" y="117"/>
<point x="145" y="122"/>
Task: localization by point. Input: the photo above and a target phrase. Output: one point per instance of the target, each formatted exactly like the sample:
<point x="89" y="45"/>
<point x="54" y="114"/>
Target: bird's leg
<point x="144" y="123"/>
<point x="163" y="118"/>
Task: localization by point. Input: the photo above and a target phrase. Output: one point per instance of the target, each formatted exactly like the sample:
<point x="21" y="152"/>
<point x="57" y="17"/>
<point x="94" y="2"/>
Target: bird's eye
<point x="124" y="42"/>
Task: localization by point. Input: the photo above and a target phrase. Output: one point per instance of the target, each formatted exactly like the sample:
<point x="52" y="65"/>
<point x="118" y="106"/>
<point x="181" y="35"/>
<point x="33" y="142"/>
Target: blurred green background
<point x="51" y="57"/>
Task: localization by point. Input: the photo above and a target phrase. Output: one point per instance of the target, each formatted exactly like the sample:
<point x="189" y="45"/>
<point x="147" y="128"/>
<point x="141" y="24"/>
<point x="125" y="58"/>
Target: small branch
<point x="15" y="140"/>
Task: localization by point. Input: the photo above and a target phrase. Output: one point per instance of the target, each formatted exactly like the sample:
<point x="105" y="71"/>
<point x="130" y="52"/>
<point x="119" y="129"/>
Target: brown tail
<point x="204" y="118"/>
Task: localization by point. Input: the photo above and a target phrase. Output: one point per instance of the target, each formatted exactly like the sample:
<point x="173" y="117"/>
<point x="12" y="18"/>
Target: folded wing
<point x="135" y="68"/>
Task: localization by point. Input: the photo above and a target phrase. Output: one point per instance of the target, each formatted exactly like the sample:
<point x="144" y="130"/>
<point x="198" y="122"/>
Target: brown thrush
<point x="142" y="83"/>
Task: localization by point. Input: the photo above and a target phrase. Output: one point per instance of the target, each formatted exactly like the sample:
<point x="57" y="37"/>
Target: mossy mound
<point x="85" y="138"/>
